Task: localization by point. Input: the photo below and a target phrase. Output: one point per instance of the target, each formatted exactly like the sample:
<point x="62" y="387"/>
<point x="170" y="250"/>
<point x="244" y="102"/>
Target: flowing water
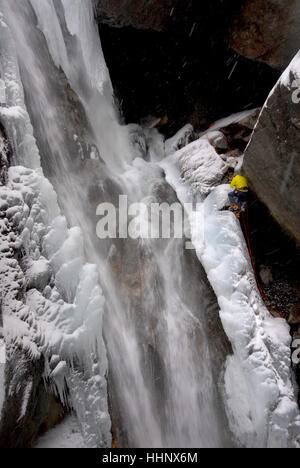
<point x="164" y="341"/>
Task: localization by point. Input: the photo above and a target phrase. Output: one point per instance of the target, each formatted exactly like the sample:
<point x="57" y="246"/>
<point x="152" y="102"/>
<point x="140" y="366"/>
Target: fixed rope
<point x="245" y="219"/>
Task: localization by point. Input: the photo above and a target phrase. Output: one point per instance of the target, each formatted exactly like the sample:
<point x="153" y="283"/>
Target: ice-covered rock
<point x="218" y="140"/>
<point x="66" y="435"/>
<point x="2" y="366"/>
<point x="267" y="30"/>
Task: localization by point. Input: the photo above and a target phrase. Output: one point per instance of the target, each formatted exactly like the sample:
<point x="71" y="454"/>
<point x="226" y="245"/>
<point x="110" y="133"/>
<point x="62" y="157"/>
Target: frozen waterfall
<point x="138" y="315"/>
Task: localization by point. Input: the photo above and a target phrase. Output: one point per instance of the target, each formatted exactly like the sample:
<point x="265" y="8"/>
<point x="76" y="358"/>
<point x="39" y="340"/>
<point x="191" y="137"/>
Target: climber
<point x="238" y="198"/>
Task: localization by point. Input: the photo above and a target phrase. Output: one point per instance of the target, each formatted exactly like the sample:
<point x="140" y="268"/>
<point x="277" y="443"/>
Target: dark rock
<point x="294" y="317"/>
<point x="272" y="161"/>
<point x="141" y="14"/>
<point x="4" y="155"/>
<point x="29" y="409"/>
<point x="268" y="31"/>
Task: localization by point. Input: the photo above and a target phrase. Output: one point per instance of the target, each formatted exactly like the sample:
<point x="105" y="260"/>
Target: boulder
<point x="272" y="162"/>
<point x="267" y="31"/>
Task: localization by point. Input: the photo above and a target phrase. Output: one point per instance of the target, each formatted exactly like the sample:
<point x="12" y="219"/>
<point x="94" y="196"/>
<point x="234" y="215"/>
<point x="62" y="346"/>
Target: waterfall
<point x="165" y="355"/>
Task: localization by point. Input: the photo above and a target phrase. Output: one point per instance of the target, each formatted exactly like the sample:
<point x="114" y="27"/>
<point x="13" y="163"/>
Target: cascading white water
<point x="164" y="362"/>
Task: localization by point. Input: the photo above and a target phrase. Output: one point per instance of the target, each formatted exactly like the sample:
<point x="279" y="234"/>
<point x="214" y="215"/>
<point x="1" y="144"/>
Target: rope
<point x="245" y="218"/>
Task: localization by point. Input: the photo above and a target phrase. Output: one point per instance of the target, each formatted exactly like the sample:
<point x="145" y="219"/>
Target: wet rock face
<point x="272" y="161"/>
<point x="267" y="31"/>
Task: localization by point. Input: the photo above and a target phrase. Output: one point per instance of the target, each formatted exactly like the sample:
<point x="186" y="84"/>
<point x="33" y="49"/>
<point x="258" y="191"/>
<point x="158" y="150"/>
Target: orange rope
<point x="245" y="218"/>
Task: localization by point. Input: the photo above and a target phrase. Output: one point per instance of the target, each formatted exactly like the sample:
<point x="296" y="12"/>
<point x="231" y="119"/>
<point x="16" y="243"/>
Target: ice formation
<point x="66" y="435"/>
<point x="52" y="302"/>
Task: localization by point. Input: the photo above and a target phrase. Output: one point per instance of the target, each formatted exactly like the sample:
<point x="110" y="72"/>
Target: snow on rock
<point x="258" y="391"/>
<point x="200" y="165"/>
<point x="146" y="142"/>
<point x="52" y="302"/>
<point x="181" y="139"/>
